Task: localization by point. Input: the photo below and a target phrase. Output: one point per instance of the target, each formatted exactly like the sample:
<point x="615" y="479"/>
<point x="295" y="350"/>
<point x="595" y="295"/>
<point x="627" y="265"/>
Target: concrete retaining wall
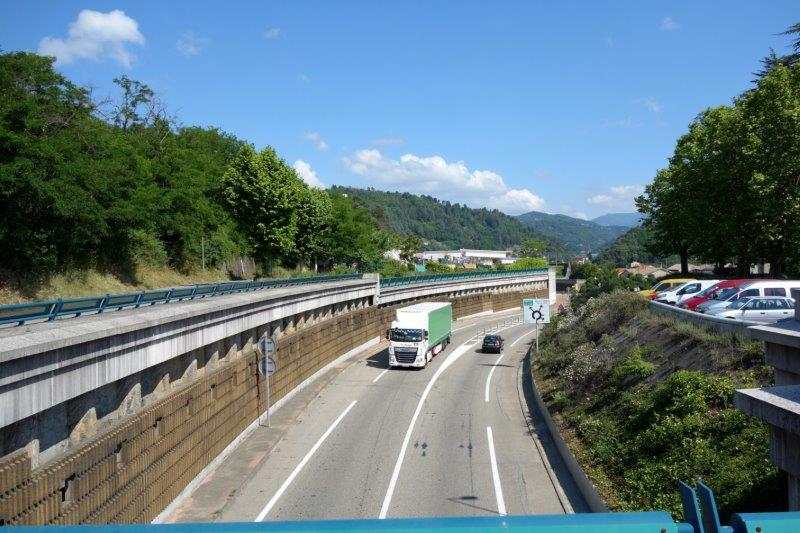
<point x="727" y="325"/>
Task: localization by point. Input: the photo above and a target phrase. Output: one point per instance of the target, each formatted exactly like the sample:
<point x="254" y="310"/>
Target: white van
<point x="763" y="287"/>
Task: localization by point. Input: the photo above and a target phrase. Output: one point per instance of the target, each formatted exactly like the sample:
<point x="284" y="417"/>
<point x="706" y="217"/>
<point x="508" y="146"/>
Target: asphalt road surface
<point x="452" y="439"/>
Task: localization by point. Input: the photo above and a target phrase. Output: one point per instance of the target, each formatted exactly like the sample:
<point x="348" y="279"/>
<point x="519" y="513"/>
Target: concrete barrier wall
<point x="727" y="325"/>
<point x="133" y="468"/>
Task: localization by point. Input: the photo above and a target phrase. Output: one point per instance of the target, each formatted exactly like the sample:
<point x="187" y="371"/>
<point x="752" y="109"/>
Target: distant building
<point x="468" y="257"/>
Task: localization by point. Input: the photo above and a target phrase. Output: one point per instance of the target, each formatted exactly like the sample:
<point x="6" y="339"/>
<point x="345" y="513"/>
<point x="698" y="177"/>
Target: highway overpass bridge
<point x="118" y="416"/>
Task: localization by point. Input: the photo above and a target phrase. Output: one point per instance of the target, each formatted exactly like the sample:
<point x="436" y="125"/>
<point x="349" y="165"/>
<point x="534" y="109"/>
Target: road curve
<point x="451" y="439"/>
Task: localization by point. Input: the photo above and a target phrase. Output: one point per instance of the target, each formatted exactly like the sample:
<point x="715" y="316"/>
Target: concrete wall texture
<point x="121" y="451"/>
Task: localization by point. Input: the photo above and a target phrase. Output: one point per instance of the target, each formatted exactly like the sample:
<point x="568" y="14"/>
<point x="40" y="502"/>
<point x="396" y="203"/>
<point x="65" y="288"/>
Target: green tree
<point x="354" y="239"/>
<point x="264" y="195"/>
<point x="315" y="217"/>
<point x="409" y="245"/>
<point x="533" y="248"/>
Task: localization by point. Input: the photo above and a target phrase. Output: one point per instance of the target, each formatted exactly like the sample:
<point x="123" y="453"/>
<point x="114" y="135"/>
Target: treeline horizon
<point x="113" y="185"/>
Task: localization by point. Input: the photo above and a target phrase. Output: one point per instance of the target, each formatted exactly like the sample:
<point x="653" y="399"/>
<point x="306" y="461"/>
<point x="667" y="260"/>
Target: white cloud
<point x="307" y="174"/>
<point x="599" y="199"/>
<point x="437" y="177"/>
<point x="388" y="141"/>
<point x="669" y="24"/>
<point x="273" y="33"/>
<point x="317" y="139"/>
<point x="651" y="104"/>
<point x="95" y="35"/>
<point x="618" y="196"/>
<point x="190" y="44"/>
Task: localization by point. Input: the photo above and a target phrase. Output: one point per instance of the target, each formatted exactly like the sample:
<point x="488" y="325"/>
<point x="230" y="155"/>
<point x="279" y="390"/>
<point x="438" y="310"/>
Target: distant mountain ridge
<point x="627" y="220"/>
<point x="578" y="235"/>
<point x="442" y="224"/>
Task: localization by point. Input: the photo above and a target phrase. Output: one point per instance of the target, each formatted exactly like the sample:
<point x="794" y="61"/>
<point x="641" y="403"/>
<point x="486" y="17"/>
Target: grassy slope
<point x="92" y="282"/>
<point x="645" y="401"/>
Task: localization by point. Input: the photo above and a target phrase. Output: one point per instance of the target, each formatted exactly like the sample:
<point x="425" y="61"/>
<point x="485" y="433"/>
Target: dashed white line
<point x="380" y="376"/>
<point x="486" y="395"/>
<point x="498" y="489"/>
<point x="271" y="503"/>
<point x="489" y="378"/>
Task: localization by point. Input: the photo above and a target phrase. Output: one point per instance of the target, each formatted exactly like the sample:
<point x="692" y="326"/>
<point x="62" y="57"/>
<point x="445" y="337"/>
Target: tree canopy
<point x="119" y="184"/>
<point x="731" y="190"/>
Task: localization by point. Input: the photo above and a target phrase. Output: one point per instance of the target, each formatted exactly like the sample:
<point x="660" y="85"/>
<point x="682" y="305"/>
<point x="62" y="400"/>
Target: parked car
<point x="764" y="309"/>
<point x="711" y="293"/>
<point x="769" y="287"/>
<point x="666" y="285"/>
<point x="492" y="344"/>
<point x="685" y="291"/>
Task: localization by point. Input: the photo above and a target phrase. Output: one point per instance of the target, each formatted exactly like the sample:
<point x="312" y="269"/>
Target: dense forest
<point x="731" y="190"/>
<point x="441" y="224"/>
<point x="576" y="234"/>
<point x="115" y="184"/>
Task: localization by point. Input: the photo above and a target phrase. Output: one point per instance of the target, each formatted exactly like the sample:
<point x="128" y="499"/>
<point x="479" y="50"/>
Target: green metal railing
<point x="19" y="314"/>
<point x="478" y="274"/>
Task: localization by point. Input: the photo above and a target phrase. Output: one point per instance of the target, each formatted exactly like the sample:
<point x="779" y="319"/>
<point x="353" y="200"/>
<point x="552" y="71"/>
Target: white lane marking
<point x="489" y="378"/>
<point x="498" y="489"/>
<point x="486" y="394"/>
<point x="452" y="357"/>
<point x="521" y="337"/>
<point x="380" y="376"/>
<point x="271" y="503"/>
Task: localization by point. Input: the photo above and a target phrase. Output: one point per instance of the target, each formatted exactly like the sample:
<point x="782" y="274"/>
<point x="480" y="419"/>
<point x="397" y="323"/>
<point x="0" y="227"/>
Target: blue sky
<point x="564" y="107"/>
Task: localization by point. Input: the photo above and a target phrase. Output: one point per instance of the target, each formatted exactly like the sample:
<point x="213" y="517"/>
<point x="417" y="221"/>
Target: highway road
<point x="452" y="439"/>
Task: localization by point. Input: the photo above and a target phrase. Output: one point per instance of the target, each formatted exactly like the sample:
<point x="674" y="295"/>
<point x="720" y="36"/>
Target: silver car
<point x="764" y="309"/>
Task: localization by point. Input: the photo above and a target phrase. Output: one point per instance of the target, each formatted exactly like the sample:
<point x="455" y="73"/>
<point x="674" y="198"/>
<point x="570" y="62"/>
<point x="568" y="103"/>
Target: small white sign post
<point x="536" y="311"/>
<point x="267" y="365"/>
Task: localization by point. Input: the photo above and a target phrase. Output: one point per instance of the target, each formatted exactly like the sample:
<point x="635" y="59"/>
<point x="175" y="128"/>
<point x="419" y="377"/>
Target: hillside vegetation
<point x="577" y="235"/>
<point x="635" y="244"/>
<point x="645" y="401"/>
<point x="441" y="224"/>
<point x="115" y="186"/>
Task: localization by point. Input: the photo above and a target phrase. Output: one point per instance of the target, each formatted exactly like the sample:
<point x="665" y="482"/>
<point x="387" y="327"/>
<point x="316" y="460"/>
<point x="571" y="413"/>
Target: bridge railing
<point x="478" y="274"/>
<point x="49" y="310"/>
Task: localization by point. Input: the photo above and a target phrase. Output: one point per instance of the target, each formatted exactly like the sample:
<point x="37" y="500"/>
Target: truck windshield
<point x="406" y="335"/>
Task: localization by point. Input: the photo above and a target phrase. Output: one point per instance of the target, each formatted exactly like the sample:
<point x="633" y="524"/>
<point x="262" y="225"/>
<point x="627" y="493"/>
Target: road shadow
<point x="380" y="359"/>
<point x="464" y="499"/>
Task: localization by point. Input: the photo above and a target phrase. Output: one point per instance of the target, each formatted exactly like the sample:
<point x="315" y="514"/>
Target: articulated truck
<point x="419" y="332"/>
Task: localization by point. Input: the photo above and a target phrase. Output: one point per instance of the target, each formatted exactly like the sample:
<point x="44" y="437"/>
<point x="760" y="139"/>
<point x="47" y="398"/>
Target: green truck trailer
<point x="419" y="332"/>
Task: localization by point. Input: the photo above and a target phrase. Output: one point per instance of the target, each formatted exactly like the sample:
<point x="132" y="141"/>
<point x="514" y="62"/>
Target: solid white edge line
<point x="452" y="357"/>
<point x="380" y="376"/>
<point x="498" y="489"/>
<point x="486" y="395"/>
<point x="271" y="503"/>
<point x="489" y="378"/>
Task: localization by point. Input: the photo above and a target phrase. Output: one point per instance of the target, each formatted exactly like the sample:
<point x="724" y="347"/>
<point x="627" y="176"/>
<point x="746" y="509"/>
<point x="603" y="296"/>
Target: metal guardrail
<point x="49" y="310"/>
<point x="414" y="280"/>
